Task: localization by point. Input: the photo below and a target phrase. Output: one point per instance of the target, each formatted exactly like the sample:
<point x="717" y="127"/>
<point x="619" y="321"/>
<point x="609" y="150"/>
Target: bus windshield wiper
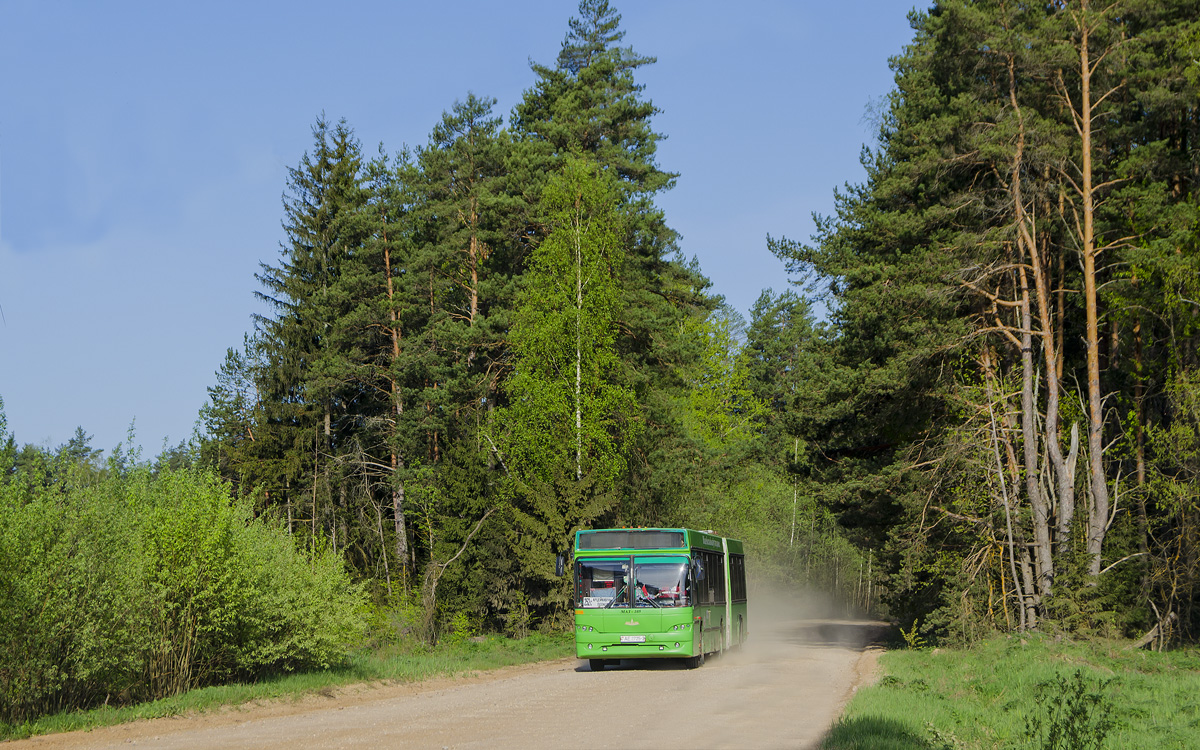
<point x="615" y="598"/>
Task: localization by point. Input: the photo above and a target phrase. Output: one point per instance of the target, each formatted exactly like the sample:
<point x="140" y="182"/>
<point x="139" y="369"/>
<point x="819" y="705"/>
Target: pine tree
<point x="467" y="215"/>
<point x="590" y="103"/>
<point x="996" y="190"/>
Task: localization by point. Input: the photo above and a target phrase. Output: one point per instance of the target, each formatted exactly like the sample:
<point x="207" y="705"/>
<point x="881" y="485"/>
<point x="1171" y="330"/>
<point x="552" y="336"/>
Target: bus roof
<point x="682" y="540"/>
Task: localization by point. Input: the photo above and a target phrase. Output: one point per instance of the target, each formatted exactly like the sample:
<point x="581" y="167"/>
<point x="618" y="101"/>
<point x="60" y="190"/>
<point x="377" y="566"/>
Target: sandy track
<point x="783" y="690"/>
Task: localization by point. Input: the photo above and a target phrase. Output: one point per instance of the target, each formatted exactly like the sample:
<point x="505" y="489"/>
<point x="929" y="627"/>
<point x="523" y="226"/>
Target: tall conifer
<point x="304" y="399"/>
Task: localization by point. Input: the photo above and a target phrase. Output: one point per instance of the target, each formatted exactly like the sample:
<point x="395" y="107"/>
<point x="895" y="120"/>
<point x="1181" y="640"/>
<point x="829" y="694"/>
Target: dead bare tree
<point x="434" y="571"/>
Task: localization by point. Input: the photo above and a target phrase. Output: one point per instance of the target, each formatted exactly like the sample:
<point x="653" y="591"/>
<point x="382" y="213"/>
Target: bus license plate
<point x="633" y="639"/>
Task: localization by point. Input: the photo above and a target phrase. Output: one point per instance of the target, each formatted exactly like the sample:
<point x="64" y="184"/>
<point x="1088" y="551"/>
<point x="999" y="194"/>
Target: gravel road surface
<point x="782" y="690"/>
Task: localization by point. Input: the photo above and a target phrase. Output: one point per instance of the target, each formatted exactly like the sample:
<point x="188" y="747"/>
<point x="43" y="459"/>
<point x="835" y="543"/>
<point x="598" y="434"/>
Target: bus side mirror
<point x="559" y="566"/>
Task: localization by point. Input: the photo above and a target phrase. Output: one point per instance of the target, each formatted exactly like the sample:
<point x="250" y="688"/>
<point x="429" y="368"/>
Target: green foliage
<point x="750" y="473"/>
<point x="1067" y="715"/>
<point x="933" y="421"/>
<point x="1006" y="691"/>
<point x="569" y="421"/>
<point x="516" y="615"/>
<point x="499" y="323"/>
<point x="912" y="638"/>
<point x="461" y="628"/>
<point x="423" y="362"/>
<point x="590" y="104"/>
<point x="722" y="410"/>
<point x="371" y="390"/>
<point x="147" y="584"/>
<point x="872" y="733"/>
<point x="566" y="409"/>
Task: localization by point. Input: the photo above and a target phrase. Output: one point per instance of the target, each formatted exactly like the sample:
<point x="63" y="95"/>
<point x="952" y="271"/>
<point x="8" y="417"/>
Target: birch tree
<point x="569" y="416"/>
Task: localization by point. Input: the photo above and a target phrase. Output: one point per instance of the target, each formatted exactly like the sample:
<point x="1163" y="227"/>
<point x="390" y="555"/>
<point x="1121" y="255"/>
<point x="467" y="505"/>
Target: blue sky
<point x="144" y="147"/>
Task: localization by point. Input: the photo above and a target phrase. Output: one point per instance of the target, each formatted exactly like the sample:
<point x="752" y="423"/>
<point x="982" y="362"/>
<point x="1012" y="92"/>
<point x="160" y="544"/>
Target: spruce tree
<point x="302" y="394"/>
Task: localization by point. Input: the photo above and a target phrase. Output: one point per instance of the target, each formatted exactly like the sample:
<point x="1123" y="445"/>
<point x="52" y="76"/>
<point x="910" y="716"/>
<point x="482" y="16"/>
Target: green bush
<point x="462" y="627"/>
<point x="137" y="586"/>
<point x="1034" y="692"/>
<point x="1067" y="715"/>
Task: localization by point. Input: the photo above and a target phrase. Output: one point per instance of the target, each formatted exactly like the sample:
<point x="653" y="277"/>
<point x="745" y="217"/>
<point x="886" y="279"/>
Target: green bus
<point x="657" y="593"/>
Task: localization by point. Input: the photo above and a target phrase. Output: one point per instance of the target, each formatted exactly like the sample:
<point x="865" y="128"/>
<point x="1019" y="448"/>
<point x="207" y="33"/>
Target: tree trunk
<point x="1042" y="552"/>
<point x="1140" y="442"/>
<point x="473" y="258"/>
<point x="397" y="464"/>
<point x="316" y="473"/>
<point x="1098" y="517"/>
<point x="578" y="347"/>
<point x="1063" y="471"/>
<point x="1023" y="594"/>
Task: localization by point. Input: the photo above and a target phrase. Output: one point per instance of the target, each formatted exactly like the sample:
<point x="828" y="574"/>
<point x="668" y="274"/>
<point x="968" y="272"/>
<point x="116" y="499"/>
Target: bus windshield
<point x="656" y="582"/>
<point x="601" y="583"/>
<point x="662" y="582"/>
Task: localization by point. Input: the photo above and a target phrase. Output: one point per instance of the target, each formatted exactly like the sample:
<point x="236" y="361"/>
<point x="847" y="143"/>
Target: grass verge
<point x="393" y="664"/>
<point x="1027" y="692"/>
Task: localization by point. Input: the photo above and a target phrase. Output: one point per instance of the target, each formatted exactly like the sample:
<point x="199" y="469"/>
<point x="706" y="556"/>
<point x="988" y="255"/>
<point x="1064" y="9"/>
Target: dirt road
<point x="783" y="690"/>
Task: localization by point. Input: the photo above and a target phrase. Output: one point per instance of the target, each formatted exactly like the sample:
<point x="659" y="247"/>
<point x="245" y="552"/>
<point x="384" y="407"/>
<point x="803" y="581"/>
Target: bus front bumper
<point x="596" y="645"/>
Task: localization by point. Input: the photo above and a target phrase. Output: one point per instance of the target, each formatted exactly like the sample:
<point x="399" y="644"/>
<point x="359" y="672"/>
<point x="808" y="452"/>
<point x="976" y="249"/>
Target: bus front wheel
<point x="597" y="665"/>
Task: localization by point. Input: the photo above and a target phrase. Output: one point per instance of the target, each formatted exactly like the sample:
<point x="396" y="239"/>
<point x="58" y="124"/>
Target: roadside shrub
<point x="1067" y="715"/>
<point x="143" y="585"/>
<point x="396" y="624"/>
<point x="462" y="627"/>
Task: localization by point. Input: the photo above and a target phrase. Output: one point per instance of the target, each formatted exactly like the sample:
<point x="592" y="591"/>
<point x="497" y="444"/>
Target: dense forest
<point x="978" y="411"/>
<point x="478" y="346"/>
<point x="1010" y="400"/>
